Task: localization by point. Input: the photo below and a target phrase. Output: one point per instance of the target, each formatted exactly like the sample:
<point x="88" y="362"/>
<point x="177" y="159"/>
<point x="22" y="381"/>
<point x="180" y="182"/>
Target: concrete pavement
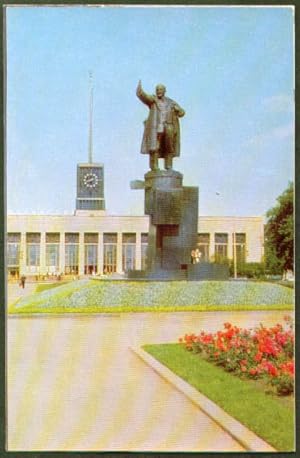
<point x="15" y="292"/>
<point x="74" y="385"/>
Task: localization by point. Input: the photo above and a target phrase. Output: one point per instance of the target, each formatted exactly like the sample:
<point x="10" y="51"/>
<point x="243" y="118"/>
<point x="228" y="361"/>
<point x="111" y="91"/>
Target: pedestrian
<point x="23" y="280"/>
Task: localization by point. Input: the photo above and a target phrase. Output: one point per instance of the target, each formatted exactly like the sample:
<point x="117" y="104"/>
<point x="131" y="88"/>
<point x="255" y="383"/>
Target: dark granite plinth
<point x="173" y="231"/>
<point x="155" y="184"/>
<point x="173" y="227"/>
<point x="157" y="275"/>
<point x="207" y="271"/>
<point x="191" y="272"/>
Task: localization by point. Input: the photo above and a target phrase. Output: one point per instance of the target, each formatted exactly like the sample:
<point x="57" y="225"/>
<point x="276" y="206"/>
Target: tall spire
<point x="91" y="118"/>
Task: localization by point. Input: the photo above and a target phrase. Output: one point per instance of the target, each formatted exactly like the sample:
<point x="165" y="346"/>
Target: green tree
<point x="279" y="233"/>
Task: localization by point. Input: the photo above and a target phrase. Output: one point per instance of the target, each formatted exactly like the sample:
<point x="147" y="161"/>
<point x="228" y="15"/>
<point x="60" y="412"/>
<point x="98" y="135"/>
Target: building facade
<point x="96" y="243"/>
<point x="93" y="242"/>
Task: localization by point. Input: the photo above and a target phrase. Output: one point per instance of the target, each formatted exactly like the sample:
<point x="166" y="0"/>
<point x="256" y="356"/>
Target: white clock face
<point x="90" y="180"/>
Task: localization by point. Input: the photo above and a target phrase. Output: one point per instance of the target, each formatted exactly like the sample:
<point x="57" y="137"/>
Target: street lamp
<point x="234" y="254"/>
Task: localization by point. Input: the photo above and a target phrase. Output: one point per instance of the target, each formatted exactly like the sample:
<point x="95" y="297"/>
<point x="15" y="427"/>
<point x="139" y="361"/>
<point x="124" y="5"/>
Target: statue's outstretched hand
<point x="178" y="110"/>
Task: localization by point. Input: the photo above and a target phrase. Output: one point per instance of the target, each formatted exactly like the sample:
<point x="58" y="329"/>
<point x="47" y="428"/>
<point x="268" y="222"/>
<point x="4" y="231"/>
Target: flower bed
<point x="260" y="353"/>
<point x="113" y="295"/>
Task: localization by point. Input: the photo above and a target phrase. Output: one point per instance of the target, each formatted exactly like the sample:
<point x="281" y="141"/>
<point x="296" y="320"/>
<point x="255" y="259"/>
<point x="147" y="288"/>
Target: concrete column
<point x="100" y="254"/>
<point x="138" y="251"/>
<point x="211" y="247"/>
<point x="62" y="252"/>
<point x="230" y="245"/>
<point x="81" y="254"/>
<point x="119" y="253"/>
<point x="42" y="269"/>
<point x="22" y="261"/>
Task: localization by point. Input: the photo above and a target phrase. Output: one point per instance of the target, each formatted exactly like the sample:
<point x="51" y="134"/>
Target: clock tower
<point x="90" y="177"/>
<point x="90" y="187"/>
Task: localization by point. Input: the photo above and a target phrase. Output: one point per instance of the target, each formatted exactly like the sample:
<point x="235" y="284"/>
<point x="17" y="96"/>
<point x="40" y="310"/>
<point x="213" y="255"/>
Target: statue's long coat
<point x="149" y="142"/>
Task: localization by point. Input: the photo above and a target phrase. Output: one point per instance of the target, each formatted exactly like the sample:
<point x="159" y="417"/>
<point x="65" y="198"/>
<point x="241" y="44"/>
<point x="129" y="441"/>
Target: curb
<point x="244" y="436"/>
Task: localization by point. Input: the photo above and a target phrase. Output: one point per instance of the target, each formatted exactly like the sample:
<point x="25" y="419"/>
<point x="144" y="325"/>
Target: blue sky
<point x="231" y="69"/>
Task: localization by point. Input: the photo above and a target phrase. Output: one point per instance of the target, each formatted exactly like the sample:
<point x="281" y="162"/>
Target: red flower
<point x="288" y="367"/>
<point x="273" y="370"/>
<point x="227" y="325"/>
<point x="253" y="371"/>
<point x="258" y="356"/>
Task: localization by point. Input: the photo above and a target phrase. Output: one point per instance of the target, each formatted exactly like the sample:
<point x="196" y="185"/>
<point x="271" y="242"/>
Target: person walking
<point x="22" y="282"/>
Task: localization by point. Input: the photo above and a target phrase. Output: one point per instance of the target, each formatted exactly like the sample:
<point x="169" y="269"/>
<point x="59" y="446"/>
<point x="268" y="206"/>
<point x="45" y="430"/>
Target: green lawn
<point x="270" y="417"/>
<point x="94" y="296"/>
<point x="45" y="286"/>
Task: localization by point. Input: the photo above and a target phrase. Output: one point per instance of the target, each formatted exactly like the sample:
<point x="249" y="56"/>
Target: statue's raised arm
<point x="161" y="135"/>
<point x="145" y="98"/>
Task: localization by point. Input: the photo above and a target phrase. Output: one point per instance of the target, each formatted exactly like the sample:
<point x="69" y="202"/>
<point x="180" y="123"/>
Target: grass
<point x="269" y="416"/>
<point x="45" y="286"/>
<point x="92" y="296"/>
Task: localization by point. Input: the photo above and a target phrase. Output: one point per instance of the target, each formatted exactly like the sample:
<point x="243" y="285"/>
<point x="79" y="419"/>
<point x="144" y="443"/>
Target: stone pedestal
<point x="173" y="230"/>
<point x="173" y="211"/>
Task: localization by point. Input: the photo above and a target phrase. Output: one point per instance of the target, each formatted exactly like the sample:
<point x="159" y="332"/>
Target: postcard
<point x="150" y="233"/>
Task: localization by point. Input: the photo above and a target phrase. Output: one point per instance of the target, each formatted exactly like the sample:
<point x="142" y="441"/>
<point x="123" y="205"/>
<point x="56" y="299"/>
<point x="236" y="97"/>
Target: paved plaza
<point x="15" y="291"/>
<point x="73" y="383"/>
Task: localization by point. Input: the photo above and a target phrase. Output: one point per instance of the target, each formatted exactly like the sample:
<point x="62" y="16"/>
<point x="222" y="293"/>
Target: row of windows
<point x="72" y="257"/>
<point x="109" y="250"/>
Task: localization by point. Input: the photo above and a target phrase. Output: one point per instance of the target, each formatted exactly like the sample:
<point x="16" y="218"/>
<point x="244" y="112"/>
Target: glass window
<point x="109" y="253"/>
<point x="129" y="238"/>
<point x="90" y="204"/>
<point x="52" y="252"/>
<point x="240" y="238"/>
<point x="128" y="257"/>
<point x="109" y="258"/>
<point x="128" y="251"/>
<point x="14" y="237"/>
<point x="221" y="238"/>
<point x="144" y="247"/>
<point x="33" y="255"/>
<point x="52" y="237"/>
<point x="221" y="247"/>
<point x="33" y="240"/>
<point x="71" y="253"/>
<point x="13" y="254"/>
<point x="71" y="237"/>
<point x="109" y="238"/>
<point x="71" y="259"/>
<point x="52" y="257"/>
<point x="91" y="238"/>
<point x="90" y="258"/>
<point x="240" y="244"/>
<point x="33" y="237"/>
<point x="203" y="246"/>
<point x="144" y="238"/>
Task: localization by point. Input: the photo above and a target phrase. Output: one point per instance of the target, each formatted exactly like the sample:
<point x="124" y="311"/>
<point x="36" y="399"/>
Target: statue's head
<point x="160" y="90"/>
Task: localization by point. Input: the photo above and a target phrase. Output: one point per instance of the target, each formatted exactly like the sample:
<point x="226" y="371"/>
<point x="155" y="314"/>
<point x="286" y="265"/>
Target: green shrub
<point x="249" y="270"/>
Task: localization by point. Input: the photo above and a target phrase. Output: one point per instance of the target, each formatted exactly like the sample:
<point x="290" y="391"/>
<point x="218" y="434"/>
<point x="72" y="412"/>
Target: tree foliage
<point x="279" y="233"/>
